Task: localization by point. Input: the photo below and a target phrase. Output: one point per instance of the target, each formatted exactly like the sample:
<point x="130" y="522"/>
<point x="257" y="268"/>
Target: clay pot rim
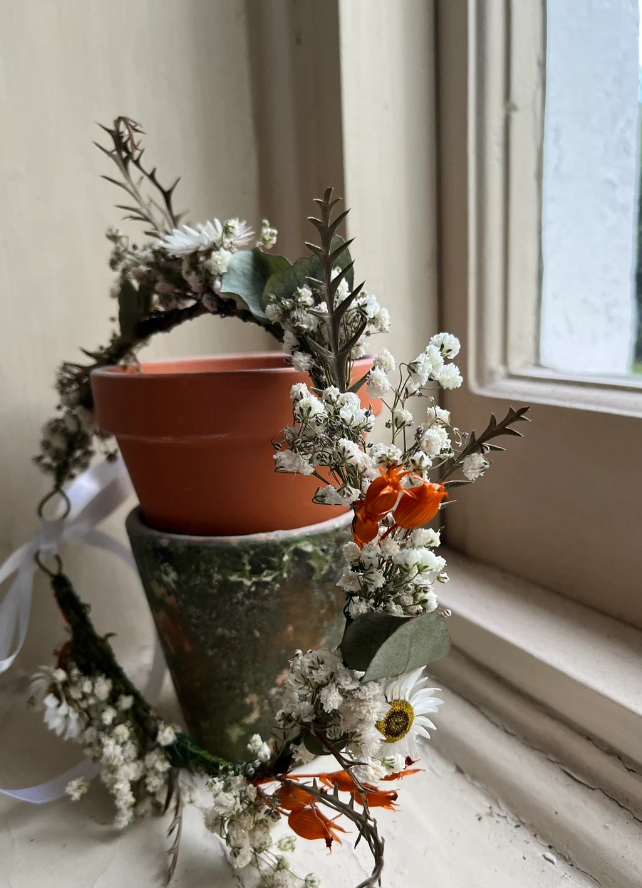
<point x="130" y="373"/>
<point x="136" y="520"/>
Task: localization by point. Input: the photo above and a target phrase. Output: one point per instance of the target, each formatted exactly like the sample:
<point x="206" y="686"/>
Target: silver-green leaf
<point x="246" y="276"/>
<point x="383" y="645"/>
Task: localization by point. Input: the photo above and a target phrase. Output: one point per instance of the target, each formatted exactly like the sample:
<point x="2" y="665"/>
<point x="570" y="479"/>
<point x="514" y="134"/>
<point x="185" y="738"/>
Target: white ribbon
<point x="93" y="497"/>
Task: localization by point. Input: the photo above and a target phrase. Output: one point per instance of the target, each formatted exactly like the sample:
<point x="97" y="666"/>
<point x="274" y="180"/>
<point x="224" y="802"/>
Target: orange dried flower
<point x="305" y="818"/>
<point x="381" y="497"/>
<point x="376" y="798"/>
<point x="419" y="504"/>
<point x="310" y="823"/>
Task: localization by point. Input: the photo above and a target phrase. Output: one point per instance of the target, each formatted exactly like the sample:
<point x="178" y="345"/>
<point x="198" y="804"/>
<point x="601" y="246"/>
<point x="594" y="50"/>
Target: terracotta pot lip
<point x="118" y="372"/>
<point x="136" y="523"/>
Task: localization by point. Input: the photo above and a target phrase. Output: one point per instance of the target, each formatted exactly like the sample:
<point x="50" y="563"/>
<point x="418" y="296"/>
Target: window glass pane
<point x="591" y="284"/>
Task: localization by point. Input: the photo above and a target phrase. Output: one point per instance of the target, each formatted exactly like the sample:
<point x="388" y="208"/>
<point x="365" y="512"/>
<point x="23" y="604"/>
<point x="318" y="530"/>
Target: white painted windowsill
<point x="566" y="681"/>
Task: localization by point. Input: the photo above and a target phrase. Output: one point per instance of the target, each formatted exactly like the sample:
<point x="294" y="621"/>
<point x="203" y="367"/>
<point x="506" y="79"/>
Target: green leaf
<point x="247" y="274"/>
<point x="383" y="645"/>
<point x="285" y="281"/>
<point x="315" y="746"/>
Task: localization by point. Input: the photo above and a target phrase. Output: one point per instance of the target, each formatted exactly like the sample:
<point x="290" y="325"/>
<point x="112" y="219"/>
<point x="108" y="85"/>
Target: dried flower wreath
<point x="366" y="703"/>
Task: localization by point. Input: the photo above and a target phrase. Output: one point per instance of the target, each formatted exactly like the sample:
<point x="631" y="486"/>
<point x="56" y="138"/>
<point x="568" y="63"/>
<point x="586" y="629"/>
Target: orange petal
<point x="405" y="773"/>
<point x="381" y="799"/>
<point x="364" y="530"/>
<point x="292" y="798"/>
<point x="376" y="798"/>
<point x="419" y="504"/>
<point x="338" y="778"/>
<point x="310" y="823"/>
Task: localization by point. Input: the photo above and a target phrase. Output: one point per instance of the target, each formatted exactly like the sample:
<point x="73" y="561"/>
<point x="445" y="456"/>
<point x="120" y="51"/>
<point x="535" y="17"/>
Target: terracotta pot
<point x="229" y="613"/>
<point x="195" y="435"/>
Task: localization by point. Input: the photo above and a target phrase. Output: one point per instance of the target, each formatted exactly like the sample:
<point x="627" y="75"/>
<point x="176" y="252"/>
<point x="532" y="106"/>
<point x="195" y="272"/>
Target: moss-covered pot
<point x="231" y="610"/>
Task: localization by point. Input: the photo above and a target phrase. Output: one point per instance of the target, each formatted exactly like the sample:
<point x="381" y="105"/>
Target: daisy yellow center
<point x="397" y="721"/>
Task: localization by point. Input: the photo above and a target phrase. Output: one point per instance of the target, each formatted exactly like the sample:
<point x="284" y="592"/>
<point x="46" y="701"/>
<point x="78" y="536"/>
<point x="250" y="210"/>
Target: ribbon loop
<point x="93" y="497"/>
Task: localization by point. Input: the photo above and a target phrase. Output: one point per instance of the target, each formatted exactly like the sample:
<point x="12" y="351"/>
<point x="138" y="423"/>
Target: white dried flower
<point x="290" y="342"/>
<point x="449" y="377"/>
<point x="289" y="461"/>
<point x="434" y="440"/>
<point x="351" y="553"/>
<point x="402" y="417"/>
<point x="298" y="391"/>
<point x="186" y="240"/>
<point x="357" y="607"/>
<point x="268" y="235"/>
<point x="330" y="697"/>
<point x="259" y="749"/>
<point x="437" y="414"/>
<point x="381" y="321"/>
<point x="420" y="461"/>
<point x="331" y="394"/>
<point x="61" y="718"/>
<point x="447" y="344"/>
<point x="385" y="361"/>
<point x="102" y="688"/>
<point x="331" y="496"/>
<point x="166" y="735"/>
<point x="348" y="452"/>
<point x="76" y="788"/>
<point x="108" y="715"/>
<point x="474" y="465"/>
<point x="301" y="361"/>
<point x="388" y="547"/>
<point x="219" y="261"/>
<point x="308" y="407"/>
<point x="424" y="536"/>
<point x="273" y="312"/>
<point x="378" y="383"/>
<point x="384" y="454"/>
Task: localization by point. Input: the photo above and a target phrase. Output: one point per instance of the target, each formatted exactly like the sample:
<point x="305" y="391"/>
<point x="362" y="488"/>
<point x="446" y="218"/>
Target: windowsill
<point x="579" y="663"/>
<point x="565" y="681"/>
<point x="622" y="397"/>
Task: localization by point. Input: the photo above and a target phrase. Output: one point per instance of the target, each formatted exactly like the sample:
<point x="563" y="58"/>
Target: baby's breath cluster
<point x="133" y="766"/>
<point x="305" y="315"/>
<point x="321" y="693"/>
<point x="244" y="816"/>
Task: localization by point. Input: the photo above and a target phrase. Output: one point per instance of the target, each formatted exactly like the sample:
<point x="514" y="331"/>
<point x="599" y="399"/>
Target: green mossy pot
<point x="231" y="610"/>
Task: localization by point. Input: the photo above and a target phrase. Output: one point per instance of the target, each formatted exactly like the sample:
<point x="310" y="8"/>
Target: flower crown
<point x="366" y="704"/>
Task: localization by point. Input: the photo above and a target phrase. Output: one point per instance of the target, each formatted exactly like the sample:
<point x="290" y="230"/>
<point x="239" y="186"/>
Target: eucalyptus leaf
<point x="383" y="645"/>
<point x="285" y="281"/>
<point x="314" y="745"/>
<point x="247" y="273"/>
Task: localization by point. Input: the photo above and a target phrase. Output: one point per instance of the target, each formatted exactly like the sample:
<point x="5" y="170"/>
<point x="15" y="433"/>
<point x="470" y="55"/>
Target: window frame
<point x="560" y="508"/>
<point x="507" y="47"/>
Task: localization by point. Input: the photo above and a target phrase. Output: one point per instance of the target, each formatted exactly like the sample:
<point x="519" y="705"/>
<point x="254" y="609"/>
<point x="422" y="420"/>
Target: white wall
<point x="182" y="70"/>
<point x="590" y="186"/>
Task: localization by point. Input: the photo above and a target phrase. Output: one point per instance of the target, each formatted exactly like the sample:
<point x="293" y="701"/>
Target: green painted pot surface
<point x="231" y="610"/>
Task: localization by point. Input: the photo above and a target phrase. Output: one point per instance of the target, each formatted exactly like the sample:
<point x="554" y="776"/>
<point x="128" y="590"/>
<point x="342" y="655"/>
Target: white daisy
<point x="186" y="240"/>
<point x="410" y="702"/>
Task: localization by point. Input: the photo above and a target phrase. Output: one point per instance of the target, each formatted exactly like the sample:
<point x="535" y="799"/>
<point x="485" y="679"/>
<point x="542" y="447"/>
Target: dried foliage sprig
<point x="127" y="154"/>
